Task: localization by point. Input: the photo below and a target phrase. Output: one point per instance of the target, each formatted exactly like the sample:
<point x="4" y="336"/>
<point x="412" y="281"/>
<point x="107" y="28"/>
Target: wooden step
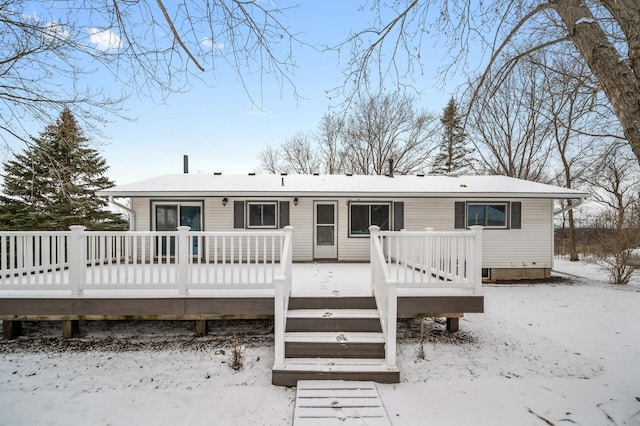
<point x="352" y="320"/>
<point x="373" y="369"/>
<point x="308" y="302"/>
<point x="334" y="344"/>
<point x="338" y="402"/>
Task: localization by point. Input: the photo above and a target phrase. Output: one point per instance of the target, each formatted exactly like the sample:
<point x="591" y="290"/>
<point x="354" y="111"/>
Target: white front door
<point x="325" y="241"/>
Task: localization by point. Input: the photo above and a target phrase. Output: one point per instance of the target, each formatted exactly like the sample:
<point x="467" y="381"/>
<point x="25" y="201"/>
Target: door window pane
<point x="325" y="236"/>
<point x="190" y="216"/>
<point x="325" y="214"/>
<point x="166" y="218"/>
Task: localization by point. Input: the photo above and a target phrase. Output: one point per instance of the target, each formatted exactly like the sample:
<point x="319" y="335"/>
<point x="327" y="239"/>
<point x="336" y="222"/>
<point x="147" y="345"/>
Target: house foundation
<point x="516" y="274"/>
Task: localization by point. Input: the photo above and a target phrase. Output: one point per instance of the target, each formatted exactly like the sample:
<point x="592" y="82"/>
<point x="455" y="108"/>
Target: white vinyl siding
<point x="502" y="248"/>
<point x="529" y="247"/>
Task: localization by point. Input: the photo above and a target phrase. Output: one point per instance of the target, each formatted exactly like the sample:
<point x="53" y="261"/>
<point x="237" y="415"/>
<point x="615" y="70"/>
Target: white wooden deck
<point x="308" y="280"/>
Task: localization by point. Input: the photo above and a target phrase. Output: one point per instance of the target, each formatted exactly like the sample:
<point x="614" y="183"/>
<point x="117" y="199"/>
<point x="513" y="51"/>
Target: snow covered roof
<point x="199" y="185"/>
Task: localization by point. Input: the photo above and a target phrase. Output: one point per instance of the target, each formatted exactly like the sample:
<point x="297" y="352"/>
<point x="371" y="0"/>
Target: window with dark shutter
<point x="238" y="214"/>
<point x="284" y="214"/>
<point x="516" y="215"/>
<point x="459" y="222"/>
<point x="398" y="216"/>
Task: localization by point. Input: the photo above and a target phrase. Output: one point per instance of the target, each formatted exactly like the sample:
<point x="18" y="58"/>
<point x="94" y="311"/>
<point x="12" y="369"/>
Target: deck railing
<point x="282" y="282"/>
<point x="434" y="259"/>
<point x="427" y="260"/>
<point x="79" y="260"/>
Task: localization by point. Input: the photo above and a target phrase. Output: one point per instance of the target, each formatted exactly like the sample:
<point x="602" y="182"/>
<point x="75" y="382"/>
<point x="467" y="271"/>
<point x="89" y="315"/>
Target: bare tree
<point x="604" y="33"/>
<point x="329" y="140"/>
<point x="509" y="129"/>
<point x="617" y="187"/>
<point x="389" y="126"/>
<point x="299" y="155"/>
<point x="270" y="160"/>
<point x="378" y="129"/>
<point x="574" y="110"/>
<point x="49" y="50"/>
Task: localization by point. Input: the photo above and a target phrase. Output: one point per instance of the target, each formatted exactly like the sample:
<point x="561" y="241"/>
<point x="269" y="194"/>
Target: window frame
<point x="389" y="205"/>
<point x="179" y="204"/>
<point x="486" y="204"/>
<point x="262" y="203"/>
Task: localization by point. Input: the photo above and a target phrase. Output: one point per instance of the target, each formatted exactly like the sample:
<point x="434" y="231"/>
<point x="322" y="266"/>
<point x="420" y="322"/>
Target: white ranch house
<point x="205" y="247"/>
<point x="331" y="214"/>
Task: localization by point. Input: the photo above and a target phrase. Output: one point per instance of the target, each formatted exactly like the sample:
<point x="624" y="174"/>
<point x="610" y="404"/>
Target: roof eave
<point x="324" y="194"/>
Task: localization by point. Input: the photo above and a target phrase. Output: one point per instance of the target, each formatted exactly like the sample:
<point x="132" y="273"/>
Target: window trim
<point x="389" y="205"/>
<point x="507" y="213"/>
<point x="179" y="204"/>
<point x="248" y="205"/>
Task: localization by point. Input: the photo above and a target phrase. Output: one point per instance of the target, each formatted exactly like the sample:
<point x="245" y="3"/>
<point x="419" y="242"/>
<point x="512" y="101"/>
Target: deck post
<point x="391" y="322"/>
<point x="279" y="325"/>
<point x="477" y="259"/>
<point x="282" y="288"/>
<point x="453" y="324"/>
<point x="77" y="260"/>
<point x="11" y="329"/>
<point x="428" y="261"/>
<point x="201" y="328"/>
<point x="373" y="234"/>
<point x="183" y="259"/>
<point x="70" y="328"/>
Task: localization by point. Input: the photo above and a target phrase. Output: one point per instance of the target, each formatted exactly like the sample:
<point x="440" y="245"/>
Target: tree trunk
<point x="573" y="251"/>
<point x="616" y="74"/>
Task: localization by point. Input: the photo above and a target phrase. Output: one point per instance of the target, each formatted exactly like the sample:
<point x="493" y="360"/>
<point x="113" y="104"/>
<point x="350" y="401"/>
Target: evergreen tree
<point x="453" y="155"/>
<point x="52" y="184"/>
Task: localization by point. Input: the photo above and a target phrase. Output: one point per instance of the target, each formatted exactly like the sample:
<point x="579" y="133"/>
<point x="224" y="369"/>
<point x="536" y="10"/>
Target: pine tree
<point x="453" y="156"/>
<point x="52" y="184"/>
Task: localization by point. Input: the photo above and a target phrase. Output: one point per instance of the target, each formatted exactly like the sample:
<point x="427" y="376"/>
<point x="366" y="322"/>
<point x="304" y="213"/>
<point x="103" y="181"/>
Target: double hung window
<point x="363" y="215"/>
<point x="261" y="214"/>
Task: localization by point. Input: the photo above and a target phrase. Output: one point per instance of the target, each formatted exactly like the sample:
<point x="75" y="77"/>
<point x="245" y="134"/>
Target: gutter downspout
<point x="567" y="208"/>
<point x="132" y="214"/>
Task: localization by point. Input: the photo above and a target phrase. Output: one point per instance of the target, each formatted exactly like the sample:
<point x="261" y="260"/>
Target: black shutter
<point x="238" y="214"/>
<point x="459" y="221"/>
<point x="516" y="215"/>
<point x="398" y="216"/>
<point x="284" y="213"/>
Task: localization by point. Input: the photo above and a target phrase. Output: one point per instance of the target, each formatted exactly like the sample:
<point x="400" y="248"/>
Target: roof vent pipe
<point x="185" y="163"/>
<point x="390" y="167"/>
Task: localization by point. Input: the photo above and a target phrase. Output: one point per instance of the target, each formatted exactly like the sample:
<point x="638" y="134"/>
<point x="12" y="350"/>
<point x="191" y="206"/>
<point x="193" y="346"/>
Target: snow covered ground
<point x="558" y="353"/>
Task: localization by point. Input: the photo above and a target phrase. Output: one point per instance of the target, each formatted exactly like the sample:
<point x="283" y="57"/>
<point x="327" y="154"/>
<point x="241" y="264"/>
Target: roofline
<point x="387" y="194"/>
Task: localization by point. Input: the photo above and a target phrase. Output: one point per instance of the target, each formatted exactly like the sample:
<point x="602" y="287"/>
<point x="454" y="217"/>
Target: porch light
<point x="295" y="201"/>
<point x="224" y="201"/>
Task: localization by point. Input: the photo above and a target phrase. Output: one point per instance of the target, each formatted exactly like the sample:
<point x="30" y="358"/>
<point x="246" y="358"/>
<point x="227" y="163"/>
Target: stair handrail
<point x="282" y="290"/>
<point x="385" y="291"/>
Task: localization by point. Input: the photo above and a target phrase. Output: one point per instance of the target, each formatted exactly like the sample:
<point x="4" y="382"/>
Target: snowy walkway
<point x="337" y="402"/>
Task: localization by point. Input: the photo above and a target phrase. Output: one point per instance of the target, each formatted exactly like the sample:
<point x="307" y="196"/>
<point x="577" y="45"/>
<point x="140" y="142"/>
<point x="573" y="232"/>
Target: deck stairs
<point x="333" y="338"/>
